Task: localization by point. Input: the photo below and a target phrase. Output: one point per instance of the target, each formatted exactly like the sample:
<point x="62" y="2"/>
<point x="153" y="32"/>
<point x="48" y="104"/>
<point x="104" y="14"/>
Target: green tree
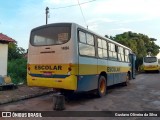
<point x="17" y="64"/>
<point x="139" y="43"/>
<point x="17" y="70"/>
<point x="15" y="52"/>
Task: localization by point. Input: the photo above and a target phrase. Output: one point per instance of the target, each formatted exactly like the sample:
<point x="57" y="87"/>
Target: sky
<point x="105" y="17"/>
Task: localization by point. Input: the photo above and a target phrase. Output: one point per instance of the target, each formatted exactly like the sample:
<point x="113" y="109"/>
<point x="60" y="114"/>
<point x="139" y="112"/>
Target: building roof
<point x="5" y="38"/>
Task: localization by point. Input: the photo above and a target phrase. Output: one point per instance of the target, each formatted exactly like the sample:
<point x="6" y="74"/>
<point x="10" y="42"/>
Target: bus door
<point x="132" y="58"/>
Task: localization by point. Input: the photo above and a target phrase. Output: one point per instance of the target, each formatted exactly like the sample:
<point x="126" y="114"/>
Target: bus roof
<point x="112" y="41"/>
<point x="79" y="26"/>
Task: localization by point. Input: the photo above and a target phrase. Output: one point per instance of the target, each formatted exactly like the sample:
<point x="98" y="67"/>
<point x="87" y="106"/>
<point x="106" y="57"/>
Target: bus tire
<point x="101" y="91"/>
<point x="126" y="83"/>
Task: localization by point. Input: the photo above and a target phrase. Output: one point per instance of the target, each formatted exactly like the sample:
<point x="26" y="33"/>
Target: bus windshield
<point x="150" y="59"/>
<point x="53" y="35"/>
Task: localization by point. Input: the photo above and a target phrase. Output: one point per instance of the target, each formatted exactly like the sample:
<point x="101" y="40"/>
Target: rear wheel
<point x="101" y="91"/>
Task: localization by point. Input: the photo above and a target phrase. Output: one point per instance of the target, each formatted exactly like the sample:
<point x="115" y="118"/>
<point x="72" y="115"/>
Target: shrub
<point x="17" y="70"/>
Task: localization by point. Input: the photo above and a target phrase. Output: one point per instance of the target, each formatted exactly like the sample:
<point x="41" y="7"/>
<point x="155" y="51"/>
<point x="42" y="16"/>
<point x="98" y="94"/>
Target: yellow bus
<point x="69" y="57"/>
<point x="151" y="64"/>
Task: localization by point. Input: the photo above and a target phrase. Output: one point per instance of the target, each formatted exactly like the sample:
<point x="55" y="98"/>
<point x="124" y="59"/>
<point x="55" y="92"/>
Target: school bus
<point x="151" y="63"/>
<point x="69" y="57"/>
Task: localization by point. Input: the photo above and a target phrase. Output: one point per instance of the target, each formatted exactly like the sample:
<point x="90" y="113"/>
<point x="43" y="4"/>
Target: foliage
<point x="15" y="52"/>
<point x="17" y="70"/>
<point x="16" y="63"/>
<point x="140" y="44"/>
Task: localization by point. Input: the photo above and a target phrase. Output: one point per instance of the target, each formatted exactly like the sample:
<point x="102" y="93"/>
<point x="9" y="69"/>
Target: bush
<point x="17" y="70"/>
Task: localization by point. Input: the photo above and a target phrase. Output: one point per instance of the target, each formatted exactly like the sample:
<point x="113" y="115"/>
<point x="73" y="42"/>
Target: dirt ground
<point x="143" y="94"/>
<point x="10" y="94"/>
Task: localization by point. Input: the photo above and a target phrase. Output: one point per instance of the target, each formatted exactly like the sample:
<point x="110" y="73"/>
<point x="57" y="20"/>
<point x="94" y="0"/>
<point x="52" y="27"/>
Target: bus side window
<point x="82" y="37"/>
<point x="120" y="53"/>
<point x="90" y="39"/>
<point x="126" y="55"/>
<point x="102" y="48"/>
<point x="100" y="52"/>
<point x="86" y="44"/>
<point x="112" y="51"/>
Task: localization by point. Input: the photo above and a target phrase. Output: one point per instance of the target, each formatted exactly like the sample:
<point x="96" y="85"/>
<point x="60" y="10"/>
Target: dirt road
<point x="143" y="94"/>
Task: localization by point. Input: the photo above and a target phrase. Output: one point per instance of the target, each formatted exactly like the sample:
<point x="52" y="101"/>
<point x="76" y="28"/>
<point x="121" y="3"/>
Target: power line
<point x="74" y="4"/>
<point x="82" y="14"/>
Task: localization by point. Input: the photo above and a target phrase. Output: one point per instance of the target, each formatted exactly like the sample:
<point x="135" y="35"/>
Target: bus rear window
<point x="150" y="59"/>
<point x="53" y="35"/>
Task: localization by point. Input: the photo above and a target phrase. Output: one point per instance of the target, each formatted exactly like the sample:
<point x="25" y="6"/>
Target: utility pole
<point x="47" y="11"/>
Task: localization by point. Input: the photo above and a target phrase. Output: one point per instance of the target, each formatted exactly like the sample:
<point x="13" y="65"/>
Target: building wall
<point x="3" y="58"/>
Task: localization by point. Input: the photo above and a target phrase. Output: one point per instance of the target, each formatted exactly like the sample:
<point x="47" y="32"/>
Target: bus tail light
<point x="69" y="69"/>
<point x="29" y="68"/>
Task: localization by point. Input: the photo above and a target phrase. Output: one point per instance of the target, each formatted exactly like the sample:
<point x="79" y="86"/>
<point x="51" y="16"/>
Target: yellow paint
<point x="151" y="67"/>
<point x="87" y="69"/>
<point x="63" y="71"/>
<point x="97" y="69"/>
<point x="70" y="82"/>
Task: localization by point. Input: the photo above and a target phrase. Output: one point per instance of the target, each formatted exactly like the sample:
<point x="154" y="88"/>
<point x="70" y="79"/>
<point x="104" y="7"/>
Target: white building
<point x="4" y="40"/>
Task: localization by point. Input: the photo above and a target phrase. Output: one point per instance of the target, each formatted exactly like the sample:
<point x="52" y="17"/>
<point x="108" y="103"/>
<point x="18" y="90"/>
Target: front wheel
<point x="101" y="91"/>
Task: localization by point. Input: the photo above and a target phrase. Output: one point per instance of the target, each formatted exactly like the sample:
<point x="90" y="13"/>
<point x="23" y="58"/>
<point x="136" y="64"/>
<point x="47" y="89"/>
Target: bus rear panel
<point x="50" y="57"/>
<point x="150" y="64"/>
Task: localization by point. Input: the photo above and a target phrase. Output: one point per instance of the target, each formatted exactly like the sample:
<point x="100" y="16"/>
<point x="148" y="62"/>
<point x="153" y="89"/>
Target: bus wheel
<point x="101" y="91"/>
<point x="127" y="80"/>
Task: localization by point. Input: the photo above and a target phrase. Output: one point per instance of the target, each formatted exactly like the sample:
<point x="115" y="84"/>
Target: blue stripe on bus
<point x="90" y="82"/>
<point x="52" y="76"/>
<point x="87" y="82"/>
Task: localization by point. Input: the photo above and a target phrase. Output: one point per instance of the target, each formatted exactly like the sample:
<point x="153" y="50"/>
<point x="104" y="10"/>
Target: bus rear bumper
<point x="151" y="69"/>
<point x="68" y="83"/>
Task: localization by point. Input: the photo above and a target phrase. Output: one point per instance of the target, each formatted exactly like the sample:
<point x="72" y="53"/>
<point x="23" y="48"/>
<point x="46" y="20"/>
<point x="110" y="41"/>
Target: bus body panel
<point x="87" y="74"/>
<point x="60" y="82"/>
<point x="87" y="83"/>
<point x="62" y="66"/>
<point x="53" y="66"/>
